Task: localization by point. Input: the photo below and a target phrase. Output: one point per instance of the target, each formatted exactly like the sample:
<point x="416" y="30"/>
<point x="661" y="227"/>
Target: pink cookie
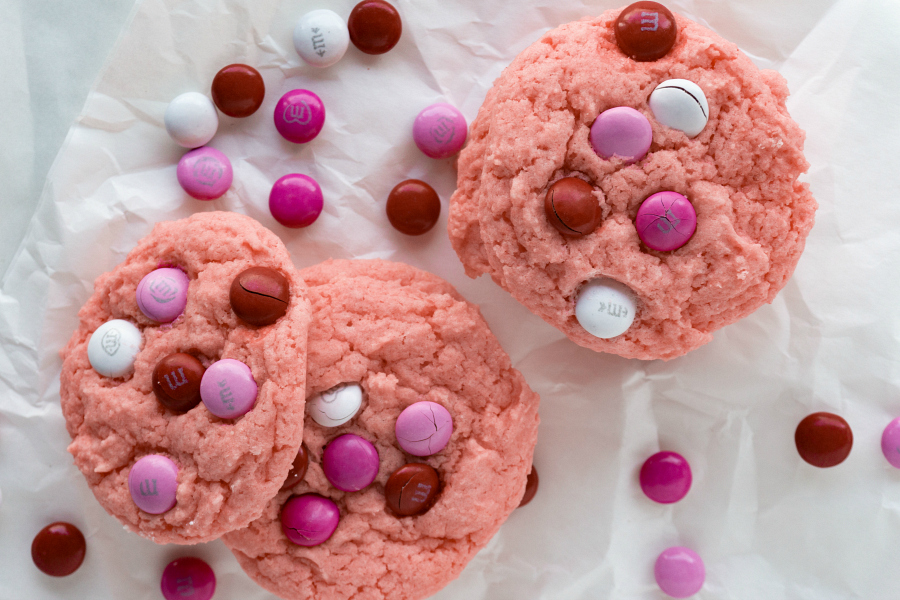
<point x="740" y="173"/>
<point x="227" y="469"/>
<point x="404" y="336"/>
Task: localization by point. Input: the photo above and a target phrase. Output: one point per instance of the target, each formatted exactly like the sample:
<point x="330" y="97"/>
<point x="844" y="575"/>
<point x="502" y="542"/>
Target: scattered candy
<point x="228" y="389"/>
<point x="113" y="347"/>
<point x="309" y="520"/>
<point x="321" y="38"/>
<point x="335" y="406"/>
<point x="374" y="26"/>
<point x="666" y="477"/>
<point x="622" y="132"/>
<point x="238" y="90"/>
<point x="890" y="443"/>
<point x="666" y="221"/>
<point x="605" y="308"/>
<point x="162" y="294"/>
<point x="153" y="483"/>
<point x="259" y="296"/>
<point x="411" y="489"/>
<point x="205" y="173"/>
<point x="58" y="549"/>
<point x="413" y="207"/>
<point x="645" y="31"/>
<point x="823" y="439"/>
<point x="350" y="463"/>
<point x="679" y="572"/>
<point x="440" y="130"/>
<point x="298" y="468"/>
<point x="299" y="116"/>
<point x="188" y="578"/>
<point x="296" y="200"/>
<point x="191" y="120"/>
<point x="176" y="381"/>
<point x="424" y="428"/>
<point x="531" y="487"/>
<point x="680" y="104"/>
<point x="571" y="207"/>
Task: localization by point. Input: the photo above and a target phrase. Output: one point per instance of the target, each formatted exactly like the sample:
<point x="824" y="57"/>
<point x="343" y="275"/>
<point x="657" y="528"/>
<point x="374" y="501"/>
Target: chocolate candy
<point x="531" y="487"/>
<point x="299" y="116"/>
<point x="890" y="443"/>
<point x="666" y="221"/>
<point x="679" y="572"/>
<point x="153" y="483"/>
<point x="680" y="104"/>
<point x="309" y="520"/>
<point x="296" y="200"/>
<point x="58" y="549"/>
<point x="350" y="463"/>
<point x="188" y="578"/>
<point x="191" y="120"/>
<point x="336" y="406"/>
<point x="205" y="173"/>
<point x="666" y="477"/>
<point x="645" y="31"/>
<point x="621" y="132"/>
<point x="823" y="439"/>
<point x="259" y="296"/>
<point x="424" y="428"/>
<point x="440" y="130"/>
<point x="162" y="294"/>
<point x="113" y="347"/>
<point x="605" y="308"/>
<point x="298" y="469"/>
<point x="413" y="207"/>
<point x="238" y="90"/>
<point x="176" y="381"/>
<point x="321" y="38"/>
<point x="571" y="207"/>
<point x="411" y="489"/>
<point x="374" y="26"/>
<point x="228" y="389"/>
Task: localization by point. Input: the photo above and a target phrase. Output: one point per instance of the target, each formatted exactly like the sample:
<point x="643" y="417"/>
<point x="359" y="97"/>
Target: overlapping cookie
<point x="419" y="435"/>
<point x="633" y="180"/>
<point x="183" y="386"/>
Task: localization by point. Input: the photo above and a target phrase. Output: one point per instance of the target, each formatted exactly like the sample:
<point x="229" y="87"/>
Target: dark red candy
<point x="298" y="469"/>
<point x="260" y="295"/>
<point x="531" y="487"/>
<point x="238" y="90"/>
<point x="411" y="489"/>
<point x="58" y="549"/>
<point x="374" y="26"/>
<point x="646" y="31"/>
<point x="413" y="207"/>
<point x="823" y="439"/>
<point x="571" y="207"/>
<point x="176" y="381"/>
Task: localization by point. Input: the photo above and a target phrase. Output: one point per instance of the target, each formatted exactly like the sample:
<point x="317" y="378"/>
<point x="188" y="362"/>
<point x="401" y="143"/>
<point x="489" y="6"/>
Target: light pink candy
<point x="205" y="173"/>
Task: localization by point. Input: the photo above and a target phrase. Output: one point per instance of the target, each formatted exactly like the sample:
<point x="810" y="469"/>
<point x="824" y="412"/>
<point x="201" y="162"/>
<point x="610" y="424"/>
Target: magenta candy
<point x="205" y="173"/>
<point x="890" y="442"/>
<point x="153" y="483"/>
<point x="296" y="200"/>
<point x="679" y="572"/>
<point x="162" y="294"/>
<point x="424" y="428"/>
<point x="666" y="221"/>
<point x="299" y="116"/>
<point x="309" y="520"/>
<point x="440" y="130"/>
<point x="621" y="132"/>
<point x="228" y="389"/>
<point x="350" y="463"/>
<point x="666" y="477"/>
<point x="188" y="578"/>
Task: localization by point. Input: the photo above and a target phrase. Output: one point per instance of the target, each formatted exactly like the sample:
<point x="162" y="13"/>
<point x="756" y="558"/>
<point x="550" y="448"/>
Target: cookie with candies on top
<point x="632" y="179"/>
<point x="418" y="441"/>
<point x="179" y="387"/>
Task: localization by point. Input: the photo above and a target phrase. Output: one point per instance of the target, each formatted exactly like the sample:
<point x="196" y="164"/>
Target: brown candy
<point x="238" y="90"/>
<point x="58" y="549"/>
<point x="298" y="469"/>
<point x="531" y="487"/>
<point x="645" y="31"/>
<point x="413" y="207"/>
<point x="374" y="26"/>
<point x="411" y="489"/>
<point x="571" y="207"/>
<point x="823" y="439"/>
<point x="176" y="381"/>
<point x="260" y="295"/>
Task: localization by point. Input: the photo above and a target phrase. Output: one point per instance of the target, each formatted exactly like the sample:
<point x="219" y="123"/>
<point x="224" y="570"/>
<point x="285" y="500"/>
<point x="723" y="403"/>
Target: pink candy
<point x="162" y="294"/>
<point x="440" y="130"/>
<point x="205" y="173"/>
<point x="890" y="443"/>
<point x="621" y="132"/>
<point x="424" y="428"/>
<point x="153" y="483"/>
<point x="679" y="572"/>
<point x="228" y="389"/>
<point x="296" y="200"/>
<point x="666" y="221"/>
<point x="666" y="477"/>
<point x="188" y="579"/>
<point x="299" y="116"/>
<point x="309" y="520"/>
<point x="350" y="463"/>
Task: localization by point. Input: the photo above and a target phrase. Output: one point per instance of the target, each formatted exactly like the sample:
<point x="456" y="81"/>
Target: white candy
<point x="335" y="406"/>
<point x="680" y="104"/>
<point x="191" y="120"/>
<point x="605" y="308"/>
<point x="113" y="346"/>
<point x="321" y="38"/>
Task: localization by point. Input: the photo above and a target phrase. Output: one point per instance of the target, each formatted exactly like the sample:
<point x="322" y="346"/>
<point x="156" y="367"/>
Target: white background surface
<point x="767" y="525"/>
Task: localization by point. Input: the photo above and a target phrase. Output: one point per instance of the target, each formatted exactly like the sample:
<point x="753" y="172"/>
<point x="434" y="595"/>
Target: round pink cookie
<point x="227" y="469"/>
<point x="404" y="336"/>
<point x="740" y="173"/>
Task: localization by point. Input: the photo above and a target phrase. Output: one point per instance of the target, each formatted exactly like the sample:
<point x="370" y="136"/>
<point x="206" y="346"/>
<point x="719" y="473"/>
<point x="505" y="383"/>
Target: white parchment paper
<point x="766" y="524"/>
